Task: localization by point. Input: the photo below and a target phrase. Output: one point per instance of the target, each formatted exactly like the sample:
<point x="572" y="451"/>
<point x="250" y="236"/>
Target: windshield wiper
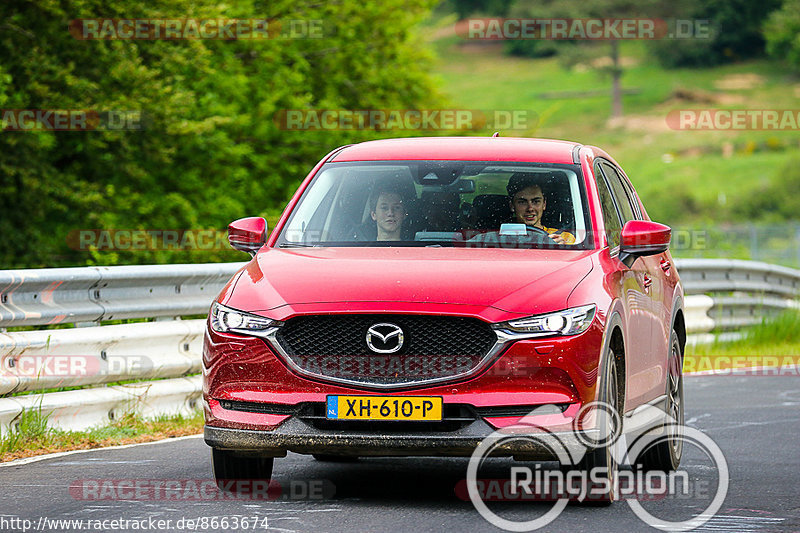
<point x="295" y="245"/>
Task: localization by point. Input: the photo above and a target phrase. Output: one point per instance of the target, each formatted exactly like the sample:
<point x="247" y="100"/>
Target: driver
<point x="526" y="198"/>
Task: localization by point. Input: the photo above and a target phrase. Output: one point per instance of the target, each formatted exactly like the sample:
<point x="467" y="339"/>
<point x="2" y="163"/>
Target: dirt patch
<point x="480" y="47"/>
<point x="735" y="82"/>
<point x="644" y="123"/>
<point x="441" y="32"/>
<point x="682" y="96"/>
<point x="605" y="61"/>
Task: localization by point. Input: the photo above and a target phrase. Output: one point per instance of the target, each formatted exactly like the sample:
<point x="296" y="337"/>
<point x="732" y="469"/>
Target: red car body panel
<point x="492" y="285"/>
<point x="246" y="369"/>
<point x="400" y="278"/>
<point x="460" y="148"/>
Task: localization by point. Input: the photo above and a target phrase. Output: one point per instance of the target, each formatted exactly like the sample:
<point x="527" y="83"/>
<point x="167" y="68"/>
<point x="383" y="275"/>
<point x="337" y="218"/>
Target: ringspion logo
<point x="706" y="485"/>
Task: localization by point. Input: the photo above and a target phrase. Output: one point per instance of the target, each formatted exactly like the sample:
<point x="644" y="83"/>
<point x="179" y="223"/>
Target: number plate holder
<point x="413" y="408"/>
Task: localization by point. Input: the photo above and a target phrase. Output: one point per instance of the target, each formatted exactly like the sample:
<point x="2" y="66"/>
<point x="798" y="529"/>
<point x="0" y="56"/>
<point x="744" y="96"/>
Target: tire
<point x="601" y="456"/>
<point x="228" y="468"/>
<point x="665" y="455"/>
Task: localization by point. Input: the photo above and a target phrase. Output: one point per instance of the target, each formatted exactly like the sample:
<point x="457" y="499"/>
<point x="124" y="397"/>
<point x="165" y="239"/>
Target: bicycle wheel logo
<point x="576" y="481"/>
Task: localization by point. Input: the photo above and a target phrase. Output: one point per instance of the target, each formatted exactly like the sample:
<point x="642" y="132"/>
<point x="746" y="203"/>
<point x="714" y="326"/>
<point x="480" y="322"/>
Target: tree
<point x="736" y="32"/>
<point x="782" y="33"/>
<point x="583" y="51"/>
<point x="209" y="150"/>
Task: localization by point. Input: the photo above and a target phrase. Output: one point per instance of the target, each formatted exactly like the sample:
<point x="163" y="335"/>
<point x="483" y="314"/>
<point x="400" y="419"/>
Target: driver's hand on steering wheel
<point x="557" y="238"/>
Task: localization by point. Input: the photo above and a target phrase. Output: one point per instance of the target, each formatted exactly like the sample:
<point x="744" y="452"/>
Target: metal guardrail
<point x="722" y="295"/>
<point x="96" y="355"/>
<point x="84" y="408"/>
<point x="95" y="294"/>
<point x="48" y="359"/>
<point x="700" y="276"/>
<point x="726" y="295"/>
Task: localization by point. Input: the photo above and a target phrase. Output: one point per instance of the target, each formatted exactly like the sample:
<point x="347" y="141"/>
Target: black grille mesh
<point x="433" y="347"/>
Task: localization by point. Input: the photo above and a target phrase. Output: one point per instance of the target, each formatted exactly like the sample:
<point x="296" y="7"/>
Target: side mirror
<point x="247" y="234"/>
<point x="643" y="237"/>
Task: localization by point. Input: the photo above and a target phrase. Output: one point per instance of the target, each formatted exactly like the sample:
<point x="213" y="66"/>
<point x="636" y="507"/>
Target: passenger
<point x="388" y="212"/>
<point x="526" y="198"/>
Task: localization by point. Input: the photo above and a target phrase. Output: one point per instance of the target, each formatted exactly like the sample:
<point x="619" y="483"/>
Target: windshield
<point x="445" y="203"/>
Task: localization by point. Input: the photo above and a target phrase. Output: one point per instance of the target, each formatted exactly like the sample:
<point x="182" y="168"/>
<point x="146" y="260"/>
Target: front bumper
<point x="296" y="436"/>
<point x="270" y="419"/>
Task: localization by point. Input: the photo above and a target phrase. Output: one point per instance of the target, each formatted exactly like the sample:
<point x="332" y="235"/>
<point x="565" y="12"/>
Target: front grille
<point x="434" y="347"/>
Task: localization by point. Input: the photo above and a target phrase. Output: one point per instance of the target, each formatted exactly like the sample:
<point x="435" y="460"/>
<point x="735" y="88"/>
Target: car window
<point x="624" y="201"/>
<point x="631" y="194"/>
<point x="610" y="214"/>
<point x="447" y="203"/>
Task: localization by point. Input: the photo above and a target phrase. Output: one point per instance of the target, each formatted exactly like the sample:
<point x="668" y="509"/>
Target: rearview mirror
<point x="643" y="237"/>
<point x="247" y="234"/>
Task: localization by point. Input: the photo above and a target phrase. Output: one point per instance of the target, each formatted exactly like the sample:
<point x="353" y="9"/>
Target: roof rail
<point x="575" y="153"/>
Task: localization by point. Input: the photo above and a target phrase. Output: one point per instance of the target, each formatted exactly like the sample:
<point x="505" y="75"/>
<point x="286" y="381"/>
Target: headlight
<point x="567" y="322"/>
<point x="227" y="320"/>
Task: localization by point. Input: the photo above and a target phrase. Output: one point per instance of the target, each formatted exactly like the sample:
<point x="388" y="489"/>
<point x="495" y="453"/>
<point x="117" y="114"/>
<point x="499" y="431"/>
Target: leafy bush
<point x="782" y="31"/>
<point x="777" y="200"/>
<point x="735" y="32"/>
<point x="210" y="150"/>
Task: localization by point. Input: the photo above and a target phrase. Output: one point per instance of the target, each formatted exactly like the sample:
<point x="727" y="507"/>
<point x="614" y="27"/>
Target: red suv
<point x="419" y="294"/>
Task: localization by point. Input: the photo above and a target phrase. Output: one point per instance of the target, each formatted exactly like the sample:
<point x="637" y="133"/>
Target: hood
<point x="489" y="283"/>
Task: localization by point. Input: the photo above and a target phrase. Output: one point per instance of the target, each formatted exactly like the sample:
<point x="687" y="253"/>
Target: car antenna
<point x="496" y="134"/>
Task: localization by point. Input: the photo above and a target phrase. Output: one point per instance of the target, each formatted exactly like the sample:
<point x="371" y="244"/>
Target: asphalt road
<point x="755" y="421"/>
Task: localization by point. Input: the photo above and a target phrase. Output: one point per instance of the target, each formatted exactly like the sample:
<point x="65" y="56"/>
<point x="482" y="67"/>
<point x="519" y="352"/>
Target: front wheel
<point x="598" y="466"/>
<point x="665" y="455"/>
<point x="234" y="473"/>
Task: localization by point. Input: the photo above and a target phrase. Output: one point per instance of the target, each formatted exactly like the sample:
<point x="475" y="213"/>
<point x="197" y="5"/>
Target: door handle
<point x="665" y="265"/>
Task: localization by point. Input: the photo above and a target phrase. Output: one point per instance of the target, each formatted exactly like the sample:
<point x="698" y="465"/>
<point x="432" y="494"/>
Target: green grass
<point x="775" y="336"/>
<point x="774" y="342"/>
<point x="476" y="76"/>
<point x="33" y="436"/>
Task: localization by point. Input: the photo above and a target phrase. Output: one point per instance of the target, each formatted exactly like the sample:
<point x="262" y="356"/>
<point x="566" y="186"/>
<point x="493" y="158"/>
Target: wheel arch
<point x="678" y="323"/>
<point x="614" y="338"/>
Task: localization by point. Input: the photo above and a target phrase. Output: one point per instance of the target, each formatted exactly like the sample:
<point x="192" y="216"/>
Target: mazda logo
<point x="385" y="338"/>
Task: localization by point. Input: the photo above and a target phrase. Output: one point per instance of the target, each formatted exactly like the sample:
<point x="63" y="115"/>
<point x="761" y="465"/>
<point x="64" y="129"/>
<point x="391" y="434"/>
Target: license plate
<point x="425" y="408"/>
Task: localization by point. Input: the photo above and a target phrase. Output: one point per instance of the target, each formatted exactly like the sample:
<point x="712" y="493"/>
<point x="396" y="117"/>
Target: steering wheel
<point x="535" y="229"/>
<point x="539" y="232"/>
